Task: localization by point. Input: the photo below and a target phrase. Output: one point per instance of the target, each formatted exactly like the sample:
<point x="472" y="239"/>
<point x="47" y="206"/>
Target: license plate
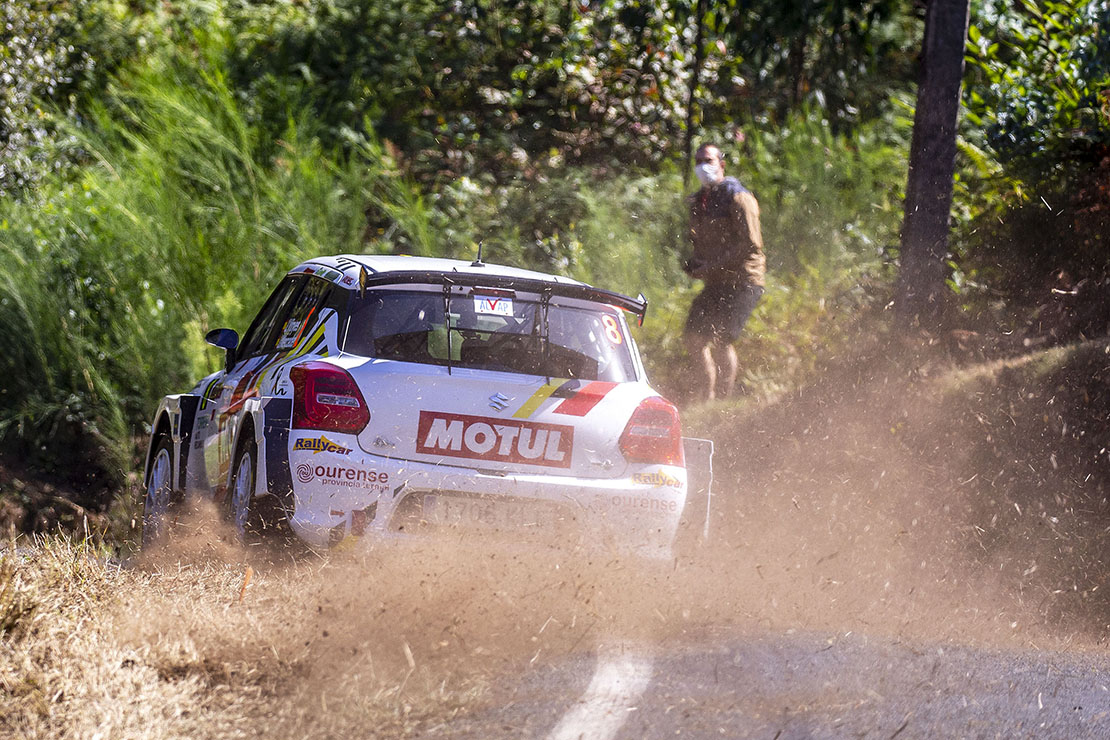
<point x="456" y="511"/>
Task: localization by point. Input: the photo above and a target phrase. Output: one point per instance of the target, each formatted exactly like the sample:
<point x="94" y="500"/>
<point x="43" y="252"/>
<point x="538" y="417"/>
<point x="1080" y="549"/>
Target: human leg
<point x="700" y="349"/>
<point x="709" y="365"/>
<point x="699" y="337"/>
<point x="741" y="304"/>
<point x="730" y="366"/>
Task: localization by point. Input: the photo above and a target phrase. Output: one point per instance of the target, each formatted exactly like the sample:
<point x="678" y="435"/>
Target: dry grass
<point x="387" y="643"/>
<point x="90" y="649"/>
<point x="62" y="673"/>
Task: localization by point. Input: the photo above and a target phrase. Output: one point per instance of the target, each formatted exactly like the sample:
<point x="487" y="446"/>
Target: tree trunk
<point x="919" y="294"/>
<point x="691" y="98"/>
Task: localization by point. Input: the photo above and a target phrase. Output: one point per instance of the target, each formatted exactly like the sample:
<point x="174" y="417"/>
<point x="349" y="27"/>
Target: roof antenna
<point x="478" y="262"/>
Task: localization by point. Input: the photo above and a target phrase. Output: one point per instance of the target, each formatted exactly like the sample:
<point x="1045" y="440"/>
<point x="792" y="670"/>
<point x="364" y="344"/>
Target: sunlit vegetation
<point x="90" y="647"/>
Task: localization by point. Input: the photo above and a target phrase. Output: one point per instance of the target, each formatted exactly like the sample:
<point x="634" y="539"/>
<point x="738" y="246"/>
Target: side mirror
<point x="227" y="339"/>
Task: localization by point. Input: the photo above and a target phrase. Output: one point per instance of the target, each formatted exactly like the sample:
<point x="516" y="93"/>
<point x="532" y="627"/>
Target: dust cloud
<point x="930" y="502"/>
<point x="302" y="644"/>
<point x="849" y="510"/>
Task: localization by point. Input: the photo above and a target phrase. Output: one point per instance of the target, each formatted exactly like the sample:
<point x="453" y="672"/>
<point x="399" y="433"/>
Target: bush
<point x="57" y="56"/>
<point x="830" y="208"/>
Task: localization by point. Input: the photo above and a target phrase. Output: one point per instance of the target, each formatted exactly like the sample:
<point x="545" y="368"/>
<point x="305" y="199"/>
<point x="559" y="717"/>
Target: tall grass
<point x="182" y="221"/>
<point x="831" y="212"/>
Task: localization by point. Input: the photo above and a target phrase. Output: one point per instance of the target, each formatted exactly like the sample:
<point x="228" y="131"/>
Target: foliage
<point x="1038" y="80"/>
<point x="830" y="209"/>
<point x="1037" y="200"/>
<point x="844" y="58"/>
<point x="475" y="86"/>
<point x="179" y="227"/>
<point x="55" y="56"/>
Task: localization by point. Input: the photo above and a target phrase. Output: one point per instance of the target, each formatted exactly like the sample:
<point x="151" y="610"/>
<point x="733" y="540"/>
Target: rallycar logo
<point x="657" y="479"/>
<point x="500" y="440"/>
<point x="320" y="444"/>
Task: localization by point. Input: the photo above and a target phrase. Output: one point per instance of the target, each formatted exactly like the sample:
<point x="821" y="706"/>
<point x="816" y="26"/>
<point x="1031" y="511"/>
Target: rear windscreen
<point x="493" y="331"/>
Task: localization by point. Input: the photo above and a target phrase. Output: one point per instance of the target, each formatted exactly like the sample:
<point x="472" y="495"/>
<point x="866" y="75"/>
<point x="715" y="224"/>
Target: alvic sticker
<point x="501" y="440"/>
<point x="493" y="305"/>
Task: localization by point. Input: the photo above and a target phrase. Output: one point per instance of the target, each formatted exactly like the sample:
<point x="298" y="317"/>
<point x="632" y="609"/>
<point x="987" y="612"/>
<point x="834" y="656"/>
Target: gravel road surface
<point x="803" y="685"/>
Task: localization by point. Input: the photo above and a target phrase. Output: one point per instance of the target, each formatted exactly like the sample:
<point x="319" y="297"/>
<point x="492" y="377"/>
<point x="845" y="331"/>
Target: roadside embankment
<point x="919" y="492"/>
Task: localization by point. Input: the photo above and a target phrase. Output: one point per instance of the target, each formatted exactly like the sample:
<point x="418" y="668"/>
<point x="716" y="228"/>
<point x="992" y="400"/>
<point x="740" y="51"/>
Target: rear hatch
<point x="521" y="383"/>
<point x="490" y="421"/>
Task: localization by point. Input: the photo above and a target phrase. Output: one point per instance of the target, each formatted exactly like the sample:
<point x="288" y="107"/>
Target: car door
<point x="239" y="382"/>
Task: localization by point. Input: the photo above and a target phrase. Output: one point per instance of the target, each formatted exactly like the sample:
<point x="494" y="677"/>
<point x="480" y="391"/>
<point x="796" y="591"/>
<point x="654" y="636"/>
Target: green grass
<point x="181" y="221"/>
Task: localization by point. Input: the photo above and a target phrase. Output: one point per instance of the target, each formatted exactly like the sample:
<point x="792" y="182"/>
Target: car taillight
<point x="326" y="397"/>
<point x="653" y="434"/>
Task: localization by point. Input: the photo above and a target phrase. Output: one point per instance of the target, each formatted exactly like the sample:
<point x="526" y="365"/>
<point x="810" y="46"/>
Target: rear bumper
<point x="343" y="493"/>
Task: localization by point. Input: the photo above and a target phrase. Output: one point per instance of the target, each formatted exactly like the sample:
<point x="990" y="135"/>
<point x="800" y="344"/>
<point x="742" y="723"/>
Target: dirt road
<point x="453" y="641"/>
<point x="804" y="685"/>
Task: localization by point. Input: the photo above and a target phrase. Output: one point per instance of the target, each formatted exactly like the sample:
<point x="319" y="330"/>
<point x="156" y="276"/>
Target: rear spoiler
<point x="636" y="306"/>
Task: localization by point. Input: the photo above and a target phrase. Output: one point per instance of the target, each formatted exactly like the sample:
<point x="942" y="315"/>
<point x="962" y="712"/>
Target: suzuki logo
<point x="498" y="402"/>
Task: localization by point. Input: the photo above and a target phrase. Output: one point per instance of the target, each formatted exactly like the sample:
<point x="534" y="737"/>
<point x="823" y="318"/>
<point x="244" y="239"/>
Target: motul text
<point x="503" y="440"/>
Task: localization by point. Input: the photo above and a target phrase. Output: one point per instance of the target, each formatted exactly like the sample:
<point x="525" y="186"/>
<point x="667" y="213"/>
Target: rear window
<point x="490" y="330"/>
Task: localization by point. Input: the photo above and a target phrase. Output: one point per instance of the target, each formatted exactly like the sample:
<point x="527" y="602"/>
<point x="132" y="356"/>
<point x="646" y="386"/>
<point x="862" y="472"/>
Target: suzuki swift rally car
<point x="396" y="397"/>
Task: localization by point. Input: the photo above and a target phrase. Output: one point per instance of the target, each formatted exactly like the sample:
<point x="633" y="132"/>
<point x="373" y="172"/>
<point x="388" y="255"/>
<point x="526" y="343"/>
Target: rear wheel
<point x="242" y="489"/>
<point x="257" y="519"/>
<point x="161" y="504"/>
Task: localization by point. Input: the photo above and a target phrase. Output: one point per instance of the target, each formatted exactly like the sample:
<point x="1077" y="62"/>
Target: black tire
<point x="161" y="503"/>
<point x="257" y="519"/>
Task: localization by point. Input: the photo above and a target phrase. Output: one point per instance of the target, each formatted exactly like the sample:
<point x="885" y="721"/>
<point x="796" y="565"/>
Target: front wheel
<point x="161" y="503"/>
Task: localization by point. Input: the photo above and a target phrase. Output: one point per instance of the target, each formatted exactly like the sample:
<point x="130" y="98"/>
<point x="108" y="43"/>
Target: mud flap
<point x="183" y="430"/>
<point x="275" y="433"/>
<point x="180" y="410"/>
<point x="694" y="528"/>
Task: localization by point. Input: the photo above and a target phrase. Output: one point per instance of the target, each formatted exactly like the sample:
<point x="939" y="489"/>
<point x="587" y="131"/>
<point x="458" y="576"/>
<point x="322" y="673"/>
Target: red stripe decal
<point x="303" y="326"/>
<point x="584" y="400"/>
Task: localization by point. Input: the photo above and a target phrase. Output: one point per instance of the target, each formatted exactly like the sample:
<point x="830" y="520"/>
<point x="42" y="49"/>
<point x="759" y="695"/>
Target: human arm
<point x="745" y="213"/>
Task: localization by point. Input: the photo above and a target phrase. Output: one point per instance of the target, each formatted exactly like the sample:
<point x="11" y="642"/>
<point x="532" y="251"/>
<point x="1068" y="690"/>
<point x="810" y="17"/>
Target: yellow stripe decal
<point x="207" y="396"/>
<point x="298" y="352"/>
<point x="537" y="398"/>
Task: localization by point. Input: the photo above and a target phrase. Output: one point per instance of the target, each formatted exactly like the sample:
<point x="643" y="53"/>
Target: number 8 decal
<point x="612" y="329"/>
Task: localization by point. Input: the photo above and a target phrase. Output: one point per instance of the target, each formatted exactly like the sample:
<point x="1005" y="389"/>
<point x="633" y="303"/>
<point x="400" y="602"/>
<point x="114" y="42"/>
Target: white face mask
<point x="709" y="174"/>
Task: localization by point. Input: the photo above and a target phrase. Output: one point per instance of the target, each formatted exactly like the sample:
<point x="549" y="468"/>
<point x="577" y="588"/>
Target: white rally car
<point x="394" y="397"/>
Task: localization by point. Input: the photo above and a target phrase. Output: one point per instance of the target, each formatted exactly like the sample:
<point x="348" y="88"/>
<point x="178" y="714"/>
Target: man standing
<point x="728" y="256"/>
